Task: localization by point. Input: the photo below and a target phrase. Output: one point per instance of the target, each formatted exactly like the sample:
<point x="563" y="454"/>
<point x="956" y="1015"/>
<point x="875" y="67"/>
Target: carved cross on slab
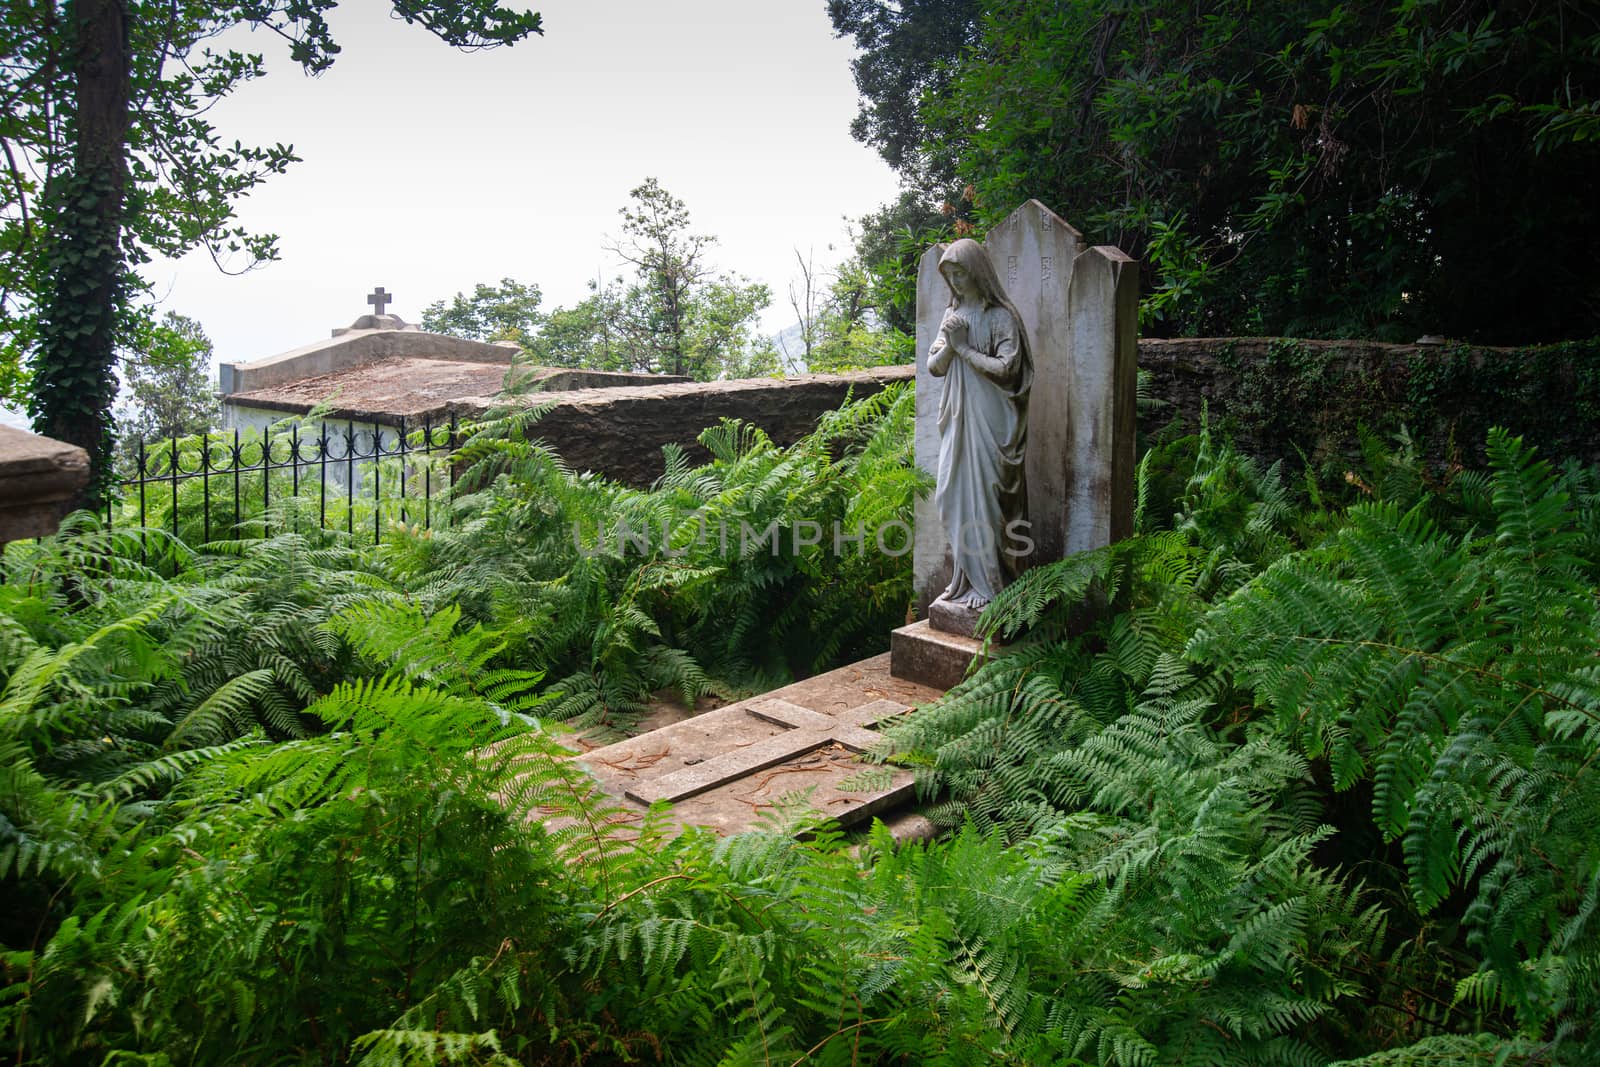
<point x="379" y="299"/>
<point x="806" y="730"/>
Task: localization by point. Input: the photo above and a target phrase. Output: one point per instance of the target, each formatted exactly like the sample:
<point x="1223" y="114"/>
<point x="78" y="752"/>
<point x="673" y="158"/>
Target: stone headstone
<point x="1079" y="306"/>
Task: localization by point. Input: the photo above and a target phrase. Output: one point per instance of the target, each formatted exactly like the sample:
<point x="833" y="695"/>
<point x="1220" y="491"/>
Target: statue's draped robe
<point x="982" y="485"/>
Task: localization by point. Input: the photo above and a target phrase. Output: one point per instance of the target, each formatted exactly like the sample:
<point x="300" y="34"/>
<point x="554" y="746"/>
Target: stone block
<point x="934" y="658"/>
<point x="40" y="478"/>
<point x="958" y="620"/>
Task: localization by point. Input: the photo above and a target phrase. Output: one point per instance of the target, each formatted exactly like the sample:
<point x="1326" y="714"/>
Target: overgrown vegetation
<point x="111" y="159"/>
<point x="1277" y="168"/>
<point x="1316" y="786"/>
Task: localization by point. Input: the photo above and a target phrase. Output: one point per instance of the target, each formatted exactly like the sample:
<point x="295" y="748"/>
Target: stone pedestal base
<point x="919" y="653"/>
<point x="956" y="619"/>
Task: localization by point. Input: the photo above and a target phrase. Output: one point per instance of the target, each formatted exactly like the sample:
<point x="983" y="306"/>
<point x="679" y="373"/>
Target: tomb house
<point x="381" y="373"/>
<point x="381" y="369"/>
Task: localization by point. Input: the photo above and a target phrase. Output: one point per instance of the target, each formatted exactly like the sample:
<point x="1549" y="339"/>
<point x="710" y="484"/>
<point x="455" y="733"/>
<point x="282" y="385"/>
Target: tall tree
<point x="805" y="297"/>
<point x="169" y="382"/>
<point x="74" y="385"/>
<point x="908" y="54"/>
<point x="679" y="316"/>
<point x="109" y="158"/>
<point x="1280" y="167"/>
<point x="671" y="266"/>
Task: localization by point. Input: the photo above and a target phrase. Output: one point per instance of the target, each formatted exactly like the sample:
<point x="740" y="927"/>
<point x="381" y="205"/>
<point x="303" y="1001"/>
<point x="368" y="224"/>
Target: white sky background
<point x="427" y="170"/>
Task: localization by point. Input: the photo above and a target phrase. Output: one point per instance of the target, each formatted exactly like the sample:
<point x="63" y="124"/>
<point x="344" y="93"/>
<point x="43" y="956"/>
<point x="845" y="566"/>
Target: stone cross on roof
<point x="379" y="299"/>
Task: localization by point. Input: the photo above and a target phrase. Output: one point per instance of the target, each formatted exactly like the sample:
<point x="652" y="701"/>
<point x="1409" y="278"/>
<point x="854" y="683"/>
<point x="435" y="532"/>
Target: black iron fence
<point x="351" y="476"/>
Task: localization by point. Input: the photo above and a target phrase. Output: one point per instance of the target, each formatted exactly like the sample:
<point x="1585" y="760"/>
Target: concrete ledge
<point x="40" y="478"/>
<point x="567" y="379"/>
<point x="412" y="388"/>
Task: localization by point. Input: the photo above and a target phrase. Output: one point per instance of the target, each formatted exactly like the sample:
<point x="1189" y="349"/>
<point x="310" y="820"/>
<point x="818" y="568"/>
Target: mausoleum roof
<point x="381" y="369"/>
<point x="406" y="386"/>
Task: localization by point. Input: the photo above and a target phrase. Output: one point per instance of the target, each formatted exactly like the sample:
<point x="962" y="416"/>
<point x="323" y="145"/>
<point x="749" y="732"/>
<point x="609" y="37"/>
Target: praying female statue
<point x="981" y="492"/>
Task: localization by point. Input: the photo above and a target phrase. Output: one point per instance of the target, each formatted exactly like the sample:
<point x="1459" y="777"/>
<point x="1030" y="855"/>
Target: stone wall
<point x="1276" y="398"/>
<point x="1282" y="398"/>
<point x="619" y="431"/>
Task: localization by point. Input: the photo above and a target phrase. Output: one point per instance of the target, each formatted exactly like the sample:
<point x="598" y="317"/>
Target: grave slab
<point x="800" y="744"/>
<point x="803" y="730"/>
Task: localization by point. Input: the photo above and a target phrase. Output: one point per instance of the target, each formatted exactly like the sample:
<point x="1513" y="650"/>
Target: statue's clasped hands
<point x="953" y="328"/>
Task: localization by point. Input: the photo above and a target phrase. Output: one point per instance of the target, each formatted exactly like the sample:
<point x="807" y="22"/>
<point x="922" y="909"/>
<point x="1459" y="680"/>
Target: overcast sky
<point x="427" y="170"/>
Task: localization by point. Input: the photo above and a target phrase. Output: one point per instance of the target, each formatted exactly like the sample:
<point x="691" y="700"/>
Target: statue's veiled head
<point x="967" y="269"/>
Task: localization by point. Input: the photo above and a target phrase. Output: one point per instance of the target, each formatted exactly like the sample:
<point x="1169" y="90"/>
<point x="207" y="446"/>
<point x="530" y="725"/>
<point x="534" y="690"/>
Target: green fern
<point x="1455" y="670"/>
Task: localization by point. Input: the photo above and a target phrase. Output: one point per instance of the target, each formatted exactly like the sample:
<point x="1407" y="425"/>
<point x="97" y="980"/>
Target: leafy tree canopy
<point x="505" y="312"/>
<point x="110" y="158"/>
<point x="622" y="326"/>
<point x="676" y="315"/>
<point x="907" y="55"/>
<point x="167" y="375"/>
<point x="584" y="335"/>
<point x="1280" y="168"/>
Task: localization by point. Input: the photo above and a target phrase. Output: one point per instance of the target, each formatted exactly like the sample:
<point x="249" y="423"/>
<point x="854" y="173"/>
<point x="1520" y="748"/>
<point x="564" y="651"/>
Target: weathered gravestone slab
<point x="1079" y="306"/>
<point x="1074" y="393"/>
<point x="797" y="745"/>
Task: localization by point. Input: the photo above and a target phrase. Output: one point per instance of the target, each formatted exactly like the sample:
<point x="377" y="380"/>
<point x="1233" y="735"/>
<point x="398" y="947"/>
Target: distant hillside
<point x="792" y="347"/>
